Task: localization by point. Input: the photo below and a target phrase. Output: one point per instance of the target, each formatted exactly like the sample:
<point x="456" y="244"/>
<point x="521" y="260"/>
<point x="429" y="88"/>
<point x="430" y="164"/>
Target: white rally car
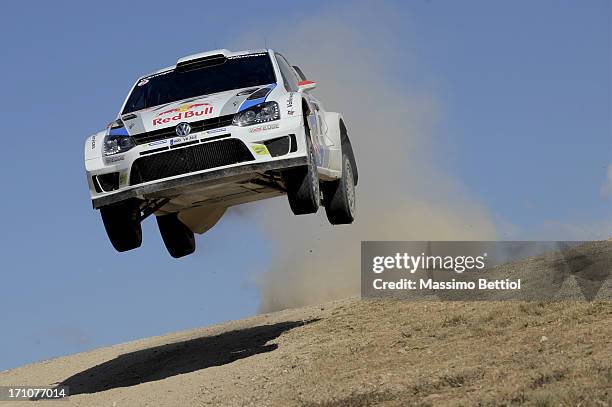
<point x="217" y="129"/>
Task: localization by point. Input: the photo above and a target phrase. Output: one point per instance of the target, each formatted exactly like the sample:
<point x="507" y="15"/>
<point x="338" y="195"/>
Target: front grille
<point x="198" y="126"/>
<point x="190" y="159"/>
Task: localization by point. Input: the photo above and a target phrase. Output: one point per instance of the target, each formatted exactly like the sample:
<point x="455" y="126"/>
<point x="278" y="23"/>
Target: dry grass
<point x="393" y="353"/>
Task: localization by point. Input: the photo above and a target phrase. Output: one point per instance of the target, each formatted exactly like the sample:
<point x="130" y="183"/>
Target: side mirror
<point x="306" y="85"/>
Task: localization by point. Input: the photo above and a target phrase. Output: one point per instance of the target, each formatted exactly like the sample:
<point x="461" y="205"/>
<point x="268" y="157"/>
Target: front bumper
<point x="175" y="186"/>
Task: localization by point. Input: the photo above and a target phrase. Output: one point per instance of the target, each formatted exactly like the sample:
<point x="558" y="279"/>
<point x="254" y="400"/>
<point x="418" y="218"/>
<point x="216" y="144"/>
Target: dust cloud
<point x="404" y="191"/>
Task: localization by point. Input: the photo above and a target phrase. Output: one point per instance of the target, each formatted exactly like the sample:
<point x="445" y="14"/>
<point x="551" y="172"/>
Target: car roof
<point x="225" y="52"/>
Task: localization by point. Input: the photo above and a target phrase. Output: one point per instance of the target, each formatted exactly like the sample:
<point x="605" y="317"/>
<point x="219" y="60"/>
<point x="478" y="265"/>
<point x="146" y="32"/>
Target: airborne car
<point x="218" y="129"/>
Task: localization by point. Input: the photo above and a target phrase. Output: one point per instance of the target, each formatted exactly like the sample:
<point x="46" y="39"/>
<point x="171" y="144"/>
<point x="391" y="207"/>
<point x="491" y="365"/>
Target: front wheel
<point x="122" y="224"/>
<point x="339" y="196"/>
<point x="303" y="185"/>
<point x="178" y="238"/>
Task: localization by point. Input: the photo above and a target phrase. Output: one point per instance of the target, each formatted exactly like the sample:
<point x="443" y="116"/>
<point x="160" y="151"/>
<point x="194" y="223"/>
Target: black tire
<point x="178" y="238"/>
<point x="122" y="224"/>
<point x="339" y="196"/>
<point x="302" y="184"/>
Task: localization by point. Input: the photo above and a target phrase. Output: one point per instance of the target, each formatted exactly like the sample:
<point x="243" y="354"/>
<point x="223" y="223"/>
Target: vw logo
<point x="183" y="129"/>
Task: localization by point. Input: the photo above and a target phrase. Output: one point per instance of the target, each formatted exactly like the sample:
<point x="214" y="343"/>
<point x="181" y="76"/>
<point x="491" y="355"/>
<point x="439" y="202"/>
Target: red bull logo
<point x="184" y="112"/>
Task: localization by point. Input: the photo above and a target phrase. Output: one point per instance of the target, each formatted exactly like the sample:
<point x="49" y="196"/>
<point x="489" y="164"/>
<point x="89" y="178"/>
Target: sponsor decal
<point x="247" y="55"/>
<point x="180" y="140"/>
<point x="114" y="159"/>
<point x="143" y="82"/>
<point x="290" y="101"/>
<point x="183" y="112"/>
<point x="183" y="108"/>
<point x="155" y="75"/>
<point x="219" y="130"/>
<point x="260" y="149"/>
<point x="290" y="110"/>
<point x="263" y="128"/>
<point x="156" y="143"/>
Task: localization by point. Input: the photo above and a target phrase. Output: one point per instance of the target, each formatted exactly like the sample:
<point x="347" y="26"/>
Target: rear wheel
<point x="339" y="196"/>
<point x="178" y="238"/>
<point x="122" y="224"/>
<point x="303" y="184"/>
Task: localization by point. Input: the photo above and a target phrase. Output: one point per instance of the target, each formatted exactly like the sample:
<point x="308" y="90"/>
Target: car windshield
<point x="236" y="72"/>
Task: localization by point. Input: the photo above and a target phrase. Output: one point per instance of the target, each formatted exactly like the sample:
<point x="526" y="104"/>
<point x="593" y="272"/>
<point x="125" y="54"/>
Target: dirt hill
<point x="356" y="353"/>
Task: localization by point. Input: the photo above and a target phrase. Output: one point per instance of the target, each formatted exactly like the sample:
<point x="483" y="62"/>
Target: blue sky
<point x="524" y="87"/>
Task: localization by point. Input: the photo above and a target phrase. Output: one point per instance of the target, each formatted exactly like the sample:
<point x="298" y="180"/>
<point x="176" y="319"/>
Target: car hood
<point x="194" y="109"/>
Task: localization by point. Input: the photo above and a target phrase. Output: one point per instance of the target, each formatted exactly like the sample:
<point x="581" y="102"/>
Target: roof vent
<point x="198" y="63"/>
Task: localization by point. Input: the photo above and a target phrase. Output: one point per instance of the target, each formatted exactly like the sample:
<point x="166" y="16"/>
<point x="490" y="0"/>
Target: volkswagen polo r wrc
<point x="218" y="129"/>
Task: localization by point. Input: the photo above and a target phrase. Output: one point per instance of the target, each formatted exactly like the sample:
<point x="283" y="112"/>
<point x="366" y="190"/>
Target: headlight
<point x="117" y="139"/>
<point x="261" y="113"/>
<point x="117" y="144"/>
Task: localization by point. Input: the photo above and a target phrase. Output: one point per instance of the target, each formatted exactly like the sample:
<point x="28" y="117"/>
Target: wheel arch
<point x="338" y="133"/>
<point x="348" y="147"/>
